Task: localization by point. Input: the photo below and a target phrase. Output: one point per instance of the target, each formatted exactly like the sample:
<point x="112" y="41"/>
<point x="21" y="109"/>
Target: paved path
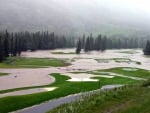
<point x="44" y="107"/>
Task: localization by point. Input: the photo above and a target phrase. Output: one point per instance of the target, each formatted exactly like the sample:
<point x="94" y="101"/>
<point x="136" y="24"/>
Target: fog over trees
<point x="49" y="24"/>
<point x="13" y="43"/>
<point x="76" y="17"/>
<point x="147" y="48"/>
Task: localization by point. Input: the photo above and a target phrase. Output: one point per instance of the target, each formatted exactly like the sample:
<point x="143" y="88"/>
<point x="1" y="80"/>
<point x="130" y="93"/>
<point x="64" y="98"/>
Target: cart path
<point x="49" y="105"/>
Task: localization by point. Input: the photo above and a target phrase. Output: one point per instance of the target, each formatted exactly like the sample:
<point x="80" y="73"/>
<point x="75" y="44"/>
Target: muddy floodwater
<point x="83" y="62"/>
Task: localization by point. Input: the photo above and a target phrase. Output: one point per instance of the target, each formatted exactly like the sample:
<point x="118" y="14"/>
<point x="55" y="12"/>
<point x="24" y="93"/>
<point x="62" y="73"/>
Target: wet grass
<point x="126" y="60"/>
<point x="128" y="52"/>
<point x="65" y="88"/>
<point x="137" y="73"/>
<point x="127" y="99"/>
<point x="19" y="62"/>
<point x="118" y="60"/>
<point x="3" y="74"/>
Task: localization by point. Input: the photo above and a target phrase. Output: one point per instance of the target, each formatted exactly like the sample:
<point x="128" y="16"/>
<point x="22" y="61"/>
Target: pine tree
<point x="79" y="46"/>
<point x="147" y="48"/>
<point x="1" y="49"/>
<point x="87" y="45"/>
<point x="104" y="40"/>
<point x="6" y="44"/>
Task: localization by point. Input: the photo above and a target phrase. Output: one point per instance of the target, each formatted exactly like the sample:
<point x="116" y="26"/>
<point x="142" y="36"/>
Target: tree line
<point x="147" y="48"/>
<point x="101" y="43"/>
<point x="12" y="44"/>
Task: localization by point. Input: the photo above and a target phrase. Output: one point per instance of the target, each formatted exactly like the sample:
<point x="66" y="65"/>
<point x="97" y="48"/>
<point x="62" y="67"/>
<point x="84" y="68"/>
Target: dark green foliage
<point x="146" y="83"/>
<point x="79" y="46"/>
<point x="87" y="45"/>
<point x="6" y="44"/>
<point x="1" y="49"/>
<point x="14" y="43"/>
<point x="101" y="43"/>
<point x="98" y="44"/>
<point x="147" y="48"/>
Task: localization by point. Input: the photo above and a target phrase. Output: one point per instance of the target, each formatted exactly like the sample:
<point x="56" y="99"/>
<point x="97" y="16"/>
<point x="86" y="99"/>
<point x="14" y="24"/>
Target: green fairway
<point x="137" y="73"/>
<point x="64" y="88"/>
<point x="19" y="62"/>
<point x="118" y="60"/>
<point x="126" y="60"/>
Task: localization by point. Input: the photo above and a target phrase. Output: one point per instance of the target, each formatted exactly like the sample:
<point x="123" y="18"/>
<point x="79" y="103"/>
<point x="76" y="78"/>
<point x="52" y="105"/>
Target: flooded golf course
<point x="85" y="67"/>
<point x="25" y="77"/>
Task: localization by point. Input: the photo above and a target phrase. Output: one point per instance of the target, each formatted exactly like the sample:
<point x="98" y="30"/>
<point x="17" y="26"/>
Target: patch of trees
<point x="147" y="48"/>
<point x="12" y="44"/>
<point x="101" y="43"/>
<point x="90" y="44"/>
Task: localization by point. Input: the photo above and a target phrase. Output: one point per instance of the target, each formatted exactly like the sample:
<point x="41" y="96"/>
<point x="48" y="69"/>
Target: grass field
<point x="118" y="60"/>
<point x="128" y="52"/>
<point x="19" y="62"/>
<point x="65" y="88"/>
<point x="127" y="60"/>
<point x="128" y="99"/>
<point x="3" y="74"/>
<point x="138" y="73"/>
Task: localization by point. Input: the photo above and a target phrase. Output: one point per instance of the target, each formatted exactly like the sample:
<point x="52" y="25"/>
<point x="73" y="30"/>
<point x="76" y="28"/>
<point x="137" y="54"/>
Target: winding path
<point x="44" y="107"/>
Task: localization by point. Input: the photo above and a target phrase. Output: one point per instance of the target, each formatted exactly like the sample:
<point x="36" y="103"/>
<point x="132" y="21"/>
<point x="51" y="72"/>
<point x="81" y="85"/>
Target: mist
<point x="76" y="17"/>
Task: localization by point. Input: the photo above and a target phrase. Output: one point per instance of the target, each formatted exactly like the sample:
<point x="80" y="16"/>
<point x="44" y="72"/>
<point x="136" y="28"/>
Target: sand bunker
<point x="82" y="80"/>
<point x="28" y="91"/>
<point x="84" y="77"/>
<point x="129" y="69"/>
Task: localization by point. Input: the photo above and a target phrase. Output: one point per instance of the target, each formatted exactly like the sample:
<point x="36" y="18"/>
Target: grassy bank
<point x="128" y="52"/>
<point x="134" y="73"/>
<point x="128" y="99"/>
<point x="119" y="60"/>
<point x="19" y="62"/>
<point x="3" y="74"/>
<point x="65" y="88"/>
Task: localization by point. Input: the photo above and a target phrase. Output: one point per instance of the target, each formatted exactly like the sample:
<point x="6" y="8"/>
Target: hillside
<point x="73" y="17"/>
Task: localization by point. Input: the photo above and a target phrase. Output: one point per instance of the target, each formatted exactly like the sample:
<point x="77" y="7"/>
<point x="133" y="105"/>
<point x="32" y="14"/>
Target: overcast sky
<point x="85" y="15"/>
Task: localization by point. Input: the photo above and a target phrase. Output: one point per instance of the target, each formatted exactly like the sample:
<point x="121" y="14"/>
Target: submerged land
<point x="39" y="76"/>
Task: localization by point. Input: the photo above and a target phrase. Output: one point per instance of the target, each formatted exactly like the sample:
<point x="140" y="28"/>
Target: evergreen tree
<point x="1" y="49"/>
<point x="147" y="48"/>
<point x="6" y="44"/>
<point x="104" y="40"/>
<point x="79" y="46"/>
<point x="87" y="44"/>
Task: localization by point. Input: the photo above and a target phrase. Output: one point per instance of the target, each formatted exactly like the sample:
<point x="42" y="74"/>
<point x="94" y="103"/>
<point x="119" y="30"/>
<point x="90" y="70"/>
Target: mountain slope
<point x="71" y="17"/>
